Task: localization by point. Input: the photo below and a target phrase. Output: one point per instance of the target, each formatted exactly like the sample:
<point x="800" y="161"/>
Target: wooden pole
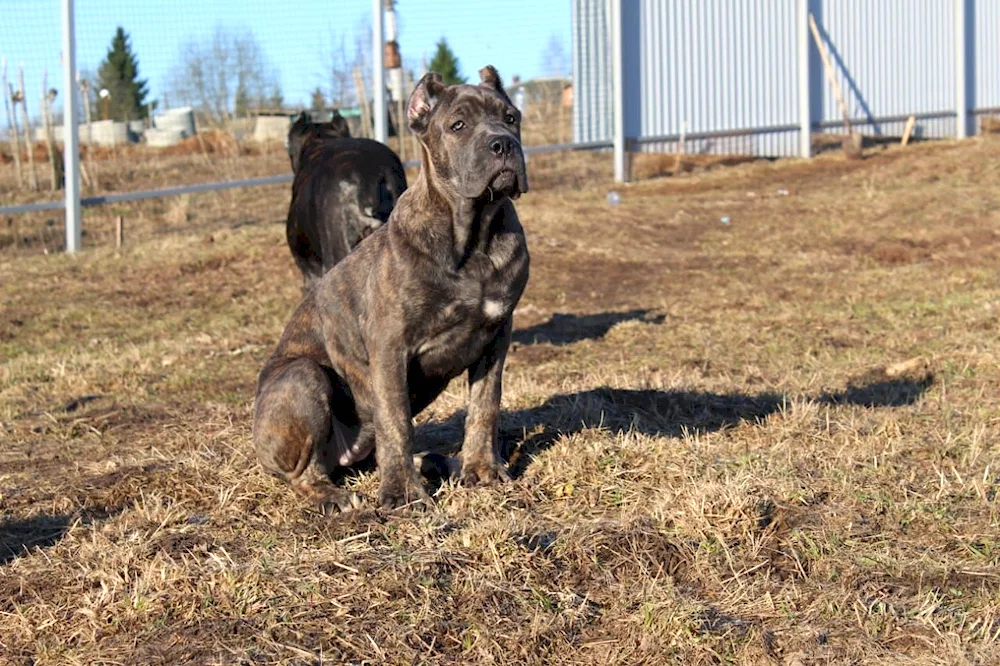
<point x="830" y="73"/>
<point x="413" y="137"/>
<point x="32" y="174"/>
<point x="366" y="116"/>
<point x="119" y="232"/>
<point x="6" y="92"/>
<point x="401" y="127"/>
<point x="88" y="168"/>
<point x="852" y="143"/>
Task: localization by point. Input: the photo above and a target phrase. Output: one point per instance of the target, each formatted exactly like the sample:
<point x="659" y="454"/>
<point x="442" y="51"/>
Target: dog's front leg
<point x="399" y="483"/>
<point x="481" y="464"/>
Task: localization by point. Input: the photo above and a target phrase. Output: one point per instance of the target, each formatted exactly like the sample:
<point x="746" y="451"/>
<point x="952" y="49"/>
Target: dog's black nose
<point x="501" y="146"/>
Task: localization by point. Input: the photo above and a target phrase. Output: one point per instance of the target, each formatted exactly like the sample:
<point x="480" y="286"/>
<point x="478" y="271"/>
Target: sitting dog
<point x="344" y="189"/>
<point x="426" y="298"/>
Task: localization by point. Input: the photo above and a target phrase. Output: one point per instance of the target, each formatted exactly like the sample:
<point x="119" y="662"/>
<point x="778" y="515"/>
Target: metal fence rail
<point x="200" y="188"/>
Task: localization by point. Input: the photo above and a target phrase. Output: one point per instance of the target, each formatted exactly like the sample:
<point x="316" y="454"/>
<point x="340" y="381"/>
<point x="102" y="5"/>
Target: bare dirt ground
<point x="772" y="440"/>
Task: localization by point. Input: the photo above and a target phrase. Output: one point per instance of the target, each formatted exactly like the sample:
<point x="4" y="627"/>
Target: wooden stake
<point x="12" y="97"/>
<point x="681" y="148"/>
<point x="55" y="158"/>
<point x="119" y="232"/>
<point x="7" y="91"/>
<point x="908" y="130"/>
<point x="32" y="174"/>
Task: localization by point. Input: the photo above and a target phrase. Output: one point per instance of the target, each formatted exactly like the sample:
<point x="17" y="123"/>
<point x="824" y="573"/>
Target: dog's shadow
<point x="21" y="536"/>
<point x="565" y="329"/>
<point x="526" y="433"/>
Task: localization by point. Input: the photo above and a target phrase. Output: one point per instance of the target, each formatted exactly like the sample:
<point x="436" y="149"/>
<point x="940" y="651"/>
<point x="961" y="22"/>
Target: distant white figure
<point x="520" y="100"/>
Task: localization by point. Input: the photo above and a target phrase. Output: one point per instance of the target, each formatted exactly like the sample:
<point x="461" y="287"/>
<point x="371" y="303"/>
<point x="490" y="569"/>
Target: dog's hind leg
<point x="295" y="434"/>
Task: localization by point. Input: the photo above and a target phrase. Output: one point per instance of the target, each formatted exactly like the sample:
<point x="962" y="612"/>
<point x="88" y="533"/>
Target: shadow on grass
<point x="18" y="537"/>
<point x="565" y="329"/>
<point x="525" y="433"/>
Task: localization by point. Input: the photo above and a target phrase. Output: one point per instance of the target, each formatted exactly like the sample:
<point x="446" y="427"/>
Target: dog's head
<point x="304" y="130"/>
<point x="471" y="135"/>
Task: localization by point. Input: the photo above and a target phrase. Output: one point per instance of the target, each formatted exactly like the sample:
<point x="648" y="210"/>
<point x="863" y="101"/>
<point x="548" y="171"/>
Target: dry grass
<point x="719" y="456"/>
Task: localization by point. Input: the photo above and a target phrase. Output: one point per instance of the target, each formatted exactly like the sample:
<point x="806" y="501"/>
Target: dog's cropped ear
<point x="423" y="99"/>
<point x="490" y="78"/>
<point x="339" y="124"/>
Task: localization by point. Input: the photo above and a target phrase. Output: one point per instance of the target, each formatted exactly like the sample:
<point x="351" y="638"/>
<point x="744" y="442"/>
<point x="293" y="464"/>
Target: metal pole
<point x="71" y="156"/>
<point x="618" y="93"/>
<point x="961" y="71"/>
<point x="805" y="84"/>
<point x="378" y="71"/>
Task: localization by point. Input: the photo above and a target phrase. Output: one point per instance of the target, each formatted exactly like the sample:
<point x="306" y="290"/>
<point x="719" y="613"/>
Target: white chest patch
<point x="493" y="309"/>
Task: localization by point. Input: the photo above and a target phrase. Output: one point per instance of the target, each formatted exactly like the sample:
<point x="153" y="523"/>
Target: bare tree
<point x="341" y="79"/>
<point x="555" y="62"/>
<point x="363" y="49"/>
<point x="225" y="75"/>
<point x="344" y="58"/>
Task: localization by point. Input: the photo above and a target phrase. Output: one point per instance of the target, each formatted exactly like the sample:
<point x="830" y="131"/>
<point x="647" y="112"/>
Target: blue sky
<point x="297" y="37"/>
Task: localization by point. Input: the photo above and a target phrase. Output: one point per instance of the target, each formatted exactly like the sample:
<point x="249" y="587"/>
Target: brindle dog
<point x="425" y="298"/>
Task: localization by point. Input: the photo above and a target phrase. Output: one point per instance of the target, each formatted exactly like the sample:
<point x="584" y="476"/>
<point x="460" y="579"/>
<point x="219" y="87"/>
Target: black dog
<point x="304" y="129"/>
<point x="344" y="189"/>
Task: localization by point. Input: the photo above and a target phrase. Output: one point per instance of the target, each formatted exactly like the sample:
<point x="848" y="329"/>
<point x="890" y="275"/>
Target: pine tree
<point x="318" y="100"/>
<point x="119" y="73"/>
<point x="445" y="63"/>
<point x="276" y="100"/>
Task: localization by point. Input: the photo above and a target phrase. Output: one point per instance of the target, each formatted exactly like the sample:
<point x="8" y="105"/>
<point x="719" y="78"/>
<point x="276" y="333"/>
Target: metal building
<point x="745" y="76"/>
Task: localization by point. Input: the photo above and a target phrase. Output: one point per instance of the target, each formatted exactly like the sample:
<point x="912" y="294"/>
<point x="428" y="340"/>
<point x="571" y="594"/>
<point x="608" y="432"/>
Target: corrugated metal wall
<point x="893" y="58"/>
<point x="716" y="66"/>
<point x="592" y="113"/>
<point x="986" y="95"/>
<point x="722" y="66"/>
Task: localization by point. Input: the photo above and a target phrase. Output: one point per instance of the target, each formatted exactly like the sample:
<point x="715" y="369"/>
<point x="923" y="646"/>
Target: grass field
<point x="772" y="440"/>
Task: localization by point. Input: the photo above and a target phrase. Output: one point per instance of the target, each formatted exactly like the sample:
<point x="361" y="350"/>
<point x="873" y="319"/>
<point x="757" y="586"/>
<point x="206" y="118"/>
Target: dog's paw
<point x="340" y="501"/>
<point x="483" y="473"/>
<point x="405" y="492"/>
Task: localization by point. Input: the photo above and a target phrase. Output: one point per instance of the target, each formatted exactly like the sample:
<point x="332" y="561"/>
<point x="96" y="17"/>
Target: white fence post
<point x="962" y="37"/>
<point x="805" y="84"/>
<point x="71" y="147"/>
<point x="378" y="71"/>
<point x="618" y="93"/>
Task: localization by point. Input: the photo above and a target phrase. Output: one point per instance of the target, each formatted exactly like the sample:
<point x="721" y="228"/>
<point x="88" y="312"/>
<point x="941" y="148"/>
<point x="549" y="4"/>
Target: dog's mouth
<point x="504" y="182"/>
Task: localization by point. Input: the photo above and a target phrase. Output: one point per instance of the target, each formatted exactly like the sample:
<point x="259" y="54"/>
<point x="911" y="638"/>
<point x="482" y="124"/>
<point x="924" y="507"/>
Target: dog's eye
<point x="458" y="126"/>
<point x="510" y="119"/>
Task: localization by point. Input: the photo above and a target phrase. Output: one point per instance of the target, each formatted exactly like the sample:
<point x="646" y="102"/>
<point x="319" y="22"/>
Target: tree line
<point x="227" y="74"/>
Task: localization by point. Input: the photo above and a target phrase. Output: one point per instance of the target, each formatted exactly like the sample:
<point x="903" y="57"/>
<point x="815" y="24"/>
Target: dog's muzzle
<point x="511" y="178"/>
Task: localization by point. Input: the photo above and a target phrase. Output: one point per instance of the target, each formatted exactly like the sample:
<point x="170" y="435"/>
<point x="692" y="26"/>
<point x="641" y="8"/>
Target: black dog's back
<point x="344" y="189"/>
